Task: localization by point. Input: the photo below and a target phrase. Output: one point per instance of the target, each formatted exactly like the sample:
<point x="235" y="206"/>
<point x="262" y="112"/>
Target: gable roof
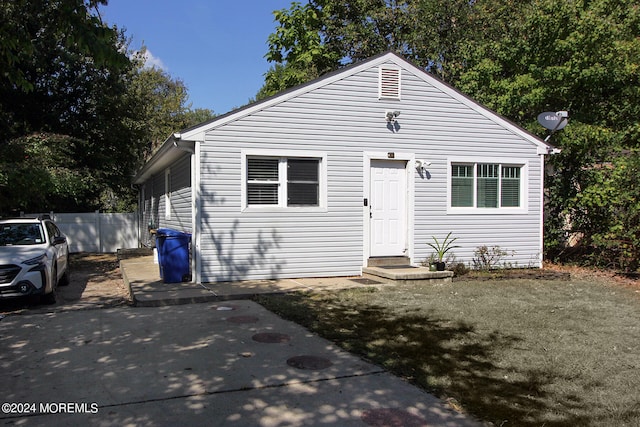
<point x="184" y="140"/>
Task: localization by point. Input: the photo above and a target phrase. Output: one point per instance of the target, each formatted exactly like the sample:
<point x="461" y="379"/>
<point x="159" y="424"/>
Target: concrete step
<point x="388" y="260"/>
<point x="407" y="275"/>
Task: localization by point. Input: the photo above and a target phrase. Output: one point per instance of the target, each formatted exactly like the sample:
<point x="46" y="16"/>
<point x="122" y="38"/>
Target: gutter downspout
<point x="543" y="167"/>
<point x="189" y="147"/>
<point x="180" y="144"/>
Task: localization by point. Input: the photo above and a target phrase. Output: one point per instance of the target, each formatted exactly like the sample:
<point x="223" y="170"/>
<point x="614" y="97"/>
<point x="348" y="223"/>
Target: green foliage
<point x="160" y="103"/>
<point x="519" y="58"/>
<point x="41" y="174"/>
<point x="32" y="29"/>
<point x="324" y="35"/>
<point x="78" y="115"/>
<point x="607" y="212"/>
<point x="297" y="49"/>
<point x="442" y="247"/>
<point x="62" y="103"/>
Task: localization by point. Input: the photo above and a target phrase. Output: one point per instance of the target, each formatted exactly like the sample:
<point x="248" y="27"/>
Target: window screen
<point x="268" y="184"/>
<point x="462" y="185"/>
<point x="262" y="181"/>
<point x="510" y="194"/>
<point x="488" y="186"/>
<point x="302" y="182"/>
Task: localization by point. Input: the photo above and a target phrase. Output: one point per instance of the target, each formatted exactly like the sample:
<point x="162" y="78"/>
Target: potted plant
<point x="431" y="262"/>
<point x="441" y="249"/>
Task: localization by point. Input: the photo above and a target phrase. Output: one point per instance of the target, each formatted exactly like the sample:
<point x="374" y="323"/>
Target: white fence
<point x="98" y="232"/>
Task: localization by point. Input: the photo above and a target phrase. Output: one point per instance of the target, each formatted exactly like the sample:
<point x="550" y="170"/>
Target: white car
<point x="34" y="258"/>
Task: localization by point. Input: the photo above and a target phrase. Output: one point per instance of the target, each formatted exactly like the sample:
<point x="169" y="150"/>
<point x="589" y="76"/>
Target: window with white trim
<point x="486" y="185"/>
<point x="282" y="181"/>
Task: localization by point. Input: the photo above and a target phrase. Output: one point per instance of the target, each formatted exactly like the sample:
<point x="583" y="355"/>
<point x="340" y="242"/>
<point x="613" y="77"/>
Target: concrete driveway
<point x="218" y="364"/>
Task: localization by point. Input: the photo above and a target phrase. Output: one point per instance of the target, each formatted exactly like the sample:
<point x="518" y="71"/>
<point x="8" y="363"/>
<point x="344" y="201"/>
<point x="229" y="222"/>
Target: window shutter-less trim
<point x="496" y="186"/>
<point x="389" y="83"/>
<point x="282" y="181"/>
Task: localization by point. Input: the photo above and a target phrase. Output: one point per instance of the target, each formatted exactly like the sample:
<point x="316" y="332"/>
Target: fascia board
<point x="163" y="156"/>
<point x="157" y="162"/>
<point x="198" y="133"/>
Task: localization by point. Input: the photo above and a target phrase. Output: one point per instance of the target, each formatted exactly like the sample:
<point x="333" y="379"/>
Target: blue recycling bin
<point x="173" y="255"/>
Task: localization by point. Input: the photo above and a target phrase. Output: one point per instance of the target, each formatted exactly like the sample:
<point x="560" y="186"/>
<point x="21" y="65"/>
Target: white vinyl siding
<point x="167" y="194"/>
<point x="146" y="220"/>
<point x="168" y="198"/>
<point x="158" y="200"/>
<point x="338" y="122"/>
<point x="180" y="196"/>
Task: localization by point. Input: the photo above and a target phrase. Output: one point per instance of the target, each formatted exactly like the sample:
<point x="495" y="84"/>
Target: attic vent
<point x="389" y="83"/>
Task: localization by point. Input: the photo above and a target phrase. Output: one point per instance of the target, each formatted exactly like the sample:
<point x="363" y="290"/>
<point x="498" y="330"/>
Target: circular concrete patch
<point x="313" y="363"/>
<point x="242" y="319"/>
<point x="271" y="337"/>
<point x="224" y="307"/>
<point x="392" y="417"/>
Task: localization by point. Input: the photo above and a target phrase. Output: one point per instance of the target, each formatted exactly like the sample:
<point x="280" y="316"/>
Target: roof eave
<point x="158" y="161"/>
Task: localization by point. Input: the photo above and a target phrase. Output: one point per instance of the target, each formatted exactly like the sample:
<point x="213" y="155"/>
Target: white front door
<point x="388" y="208"/>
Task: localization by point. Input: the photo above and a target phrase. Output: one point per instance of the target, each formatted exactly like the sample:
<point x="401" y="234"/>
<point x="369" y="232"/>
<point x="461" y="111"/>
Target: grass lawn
<point x="511" y="352"/>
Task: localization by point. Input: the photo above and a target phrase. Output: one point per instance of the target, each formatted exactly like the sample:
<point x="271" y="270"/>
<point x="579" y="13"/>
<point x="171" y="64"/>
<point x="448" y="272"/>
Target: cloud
<point x="151" y="61"/>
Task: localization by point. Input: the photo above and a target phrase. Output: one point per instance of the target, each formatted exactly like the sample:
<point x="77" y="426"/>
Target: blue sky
<point x="215" y="47"/>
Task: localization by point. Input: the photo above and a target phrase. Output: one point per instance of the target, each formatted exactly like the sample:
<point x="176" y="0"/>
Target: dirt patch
<point x="628" y="280"/>
<point x="513" y="274"/>
<point x="96" y="280"/>
<point x="557" y="272"/>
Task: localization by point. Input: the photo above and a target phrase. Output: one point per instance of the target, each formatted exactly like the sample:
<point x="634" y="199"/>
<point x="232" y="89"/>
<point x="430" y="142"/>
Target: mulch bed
<point x="513" y="274"/>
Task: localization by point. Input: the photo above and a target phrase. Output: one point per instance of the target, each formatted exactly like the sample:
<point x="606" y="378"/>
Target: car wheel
<point x="50" y="298"/>
<point x="64" y="280"/>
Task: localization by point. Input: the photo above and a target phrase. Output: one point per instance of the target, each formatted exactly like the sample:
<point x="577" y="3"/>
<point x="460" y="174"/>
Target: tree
<point x="78" y="111"/>
<point x="542" y="55"/>
<point x="519" y="58"/>
<point x="43" y="174"/>
<point x="297" y="48"/>
<point x="161" y="103"/>
<point x="324" y="35"/>
<point x="64" y="75"/>
<point x="28" y="26"/>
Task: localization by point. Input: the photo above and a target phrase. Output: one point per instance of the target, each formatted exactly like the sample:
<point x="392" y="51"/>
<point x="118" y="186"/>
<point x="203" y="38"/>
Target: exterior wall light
<point x="391" y="116"/>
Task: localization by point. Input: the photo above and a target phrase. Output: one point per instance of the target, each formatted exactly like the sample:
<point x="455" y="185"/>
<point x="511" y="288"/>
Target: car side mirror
<point x="59" y="239"/>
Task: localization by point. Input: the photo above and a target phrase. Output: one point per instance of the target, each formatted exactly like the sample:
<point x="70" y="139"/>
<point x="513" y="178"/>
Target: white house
<point x="369" y="161"/>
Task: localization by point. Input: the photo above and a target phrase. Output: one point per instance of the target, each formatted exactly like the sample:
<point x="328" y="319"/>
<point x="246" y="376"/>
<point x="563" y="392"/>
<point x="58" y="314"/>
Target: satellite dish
<point x="553" y="121"/>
